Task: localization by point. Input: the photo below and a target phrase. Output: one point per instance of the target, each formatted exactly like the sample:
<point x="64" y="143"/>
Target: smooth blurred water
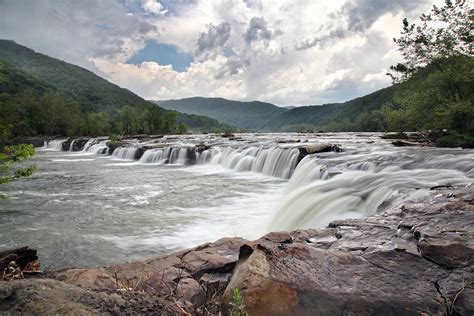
<point x="82" y="209"/>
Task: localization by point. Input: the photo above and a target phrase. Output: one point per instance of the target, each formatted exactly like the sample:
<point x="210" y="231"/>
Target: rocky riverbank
<point x="413" y="260"/>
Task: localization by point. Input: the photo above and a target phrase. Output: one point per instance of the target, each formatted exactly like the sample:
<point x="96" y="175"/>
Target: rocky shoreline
<point x="413" y="260"/>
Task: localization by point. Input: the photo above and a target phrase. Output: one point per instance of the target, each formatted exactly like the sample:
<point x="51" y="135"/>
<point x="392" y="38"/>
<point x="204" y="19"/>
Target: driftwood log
<point x="24" y="257"/>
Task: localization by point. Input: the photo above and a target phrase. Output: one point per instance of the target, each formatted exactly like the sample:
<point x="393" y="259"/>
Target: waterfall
<point x="309" y="169"/>
<point x="126" y="153"/>
<point x="182" y="155"/>
<point x="274" y="161"/>
<point x="313" y="200"/>
<point x="71" y="146"/>
<point x="55" y="144"/>
<point x="205" y="156"/>
<point x="96" y="146"/>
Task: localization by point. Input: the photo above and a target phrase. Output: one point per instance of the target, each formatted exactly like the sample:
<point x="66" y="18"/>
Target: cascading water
<point x="274" y="161"/>
<point x="125" y="153"/>
<point x="55" y="144"/>
<point x="96" y="146"/>
<point x="71" y="146"/>
<point x="313" y="198"/>
<point x="182" y="155"/>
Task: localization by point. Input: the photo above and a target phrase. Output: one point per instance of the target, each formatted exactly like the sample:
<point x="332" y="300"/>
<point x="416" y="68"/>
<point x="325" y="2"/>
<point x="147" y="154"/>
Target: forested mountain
<point x="260" y="116"/>
<point x="247" y="115"/>
<point x="353" y="115"/>
<point x="40" y="95"/>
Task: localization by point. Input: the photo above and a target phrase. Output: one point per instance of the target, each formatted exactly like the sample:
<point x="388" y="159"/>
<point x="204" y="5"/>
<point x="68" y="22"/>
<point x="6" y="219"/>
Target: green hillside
<point x="46" y="96"/>
<point x="91" y="91"/>
<point x="247" y="115"/>
<point x="353" y="115"/>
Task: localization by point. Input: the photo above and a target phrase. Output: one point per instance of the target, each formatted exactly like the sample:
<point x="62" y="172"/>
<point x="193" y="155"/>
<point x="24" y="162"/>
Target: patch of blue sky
<point x="171" y="7"/>
<point x="163" y="54"/>
<point x="228" y="52"/>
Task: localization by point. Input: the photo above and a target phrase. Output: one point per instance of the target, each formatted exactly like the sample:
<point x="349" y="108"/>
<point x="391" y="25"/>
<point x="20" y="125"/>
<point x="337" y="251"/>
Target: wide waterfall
<point x="178" y="191"/>
<point x="274" y="161"/>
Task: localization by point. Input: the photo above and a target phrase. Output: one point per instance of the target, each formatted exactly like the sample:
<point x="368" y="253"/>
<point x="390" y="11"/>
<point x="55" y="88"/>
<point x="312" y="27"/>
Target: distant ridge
<point x="254" y="115"/>
<point x="261" y="116"/>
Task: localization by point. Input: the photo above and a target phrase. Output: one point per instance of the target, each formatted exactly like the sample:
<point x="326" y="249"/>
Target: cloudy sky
<point x="288" y="52"/>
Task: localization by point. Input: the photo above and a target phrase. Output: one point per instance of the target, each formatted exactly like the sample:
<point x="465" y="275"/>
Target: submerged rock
<point x="400" y="135"/>
<point x="318" y="148"/>
<point x="404" y="143"/>
<point x="423" y="138"/>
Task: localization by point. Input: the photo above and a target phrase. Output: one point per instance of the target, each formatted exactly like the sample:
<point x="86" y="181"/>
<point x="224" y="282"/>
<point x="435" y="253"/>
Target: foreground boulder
<point x="419" y="259"/>
<point x="50" y="297"/>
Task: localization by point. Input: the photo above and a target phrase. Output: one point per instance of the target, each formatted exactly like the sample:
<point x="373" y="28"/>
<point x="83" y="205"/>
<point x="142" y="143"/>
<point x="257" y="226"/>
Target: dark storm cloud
<point x="214" y="38"/>
<point x="361" y="14"/>
<point x="321" y="40"/>
<point x="258" y="30"/>
<point x="357" y="16"/>
<point x="254" y="4"/>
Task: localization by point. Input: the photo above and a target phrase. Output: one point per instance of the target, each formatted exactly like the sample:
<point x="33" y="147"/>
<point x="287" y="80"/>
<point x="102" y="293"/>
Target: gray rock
<point x="409" y="261"/>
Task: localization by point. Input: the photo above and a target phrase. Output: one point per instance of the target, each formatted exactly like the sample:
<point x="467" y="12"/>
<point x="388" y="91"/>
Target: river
<point x="87" y="208"/>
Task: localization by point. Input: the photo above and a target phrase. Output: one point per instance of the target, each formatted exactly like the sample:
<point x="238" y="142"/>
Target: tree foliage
<point x="436" y="76"/>
<point x="444" y="32"/>
<point x="11" y="159"/>
<point x="437" y="97"/>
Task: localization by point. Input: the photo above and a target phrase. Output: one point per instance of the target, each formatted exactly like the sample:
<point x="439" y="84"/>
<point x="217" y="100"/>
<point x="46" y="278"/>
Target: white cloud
<point x="153" y="7"/>
<point x="289" y="53"/>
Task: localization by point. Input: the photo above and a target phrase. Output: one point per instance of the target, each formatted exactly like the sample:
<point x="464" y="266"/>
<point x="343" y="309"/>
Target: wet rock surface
<point x="51" y="297"/>
<point x="413" y="260"/>
<point x="422" y="138"/>
<point x="74" y="144"/>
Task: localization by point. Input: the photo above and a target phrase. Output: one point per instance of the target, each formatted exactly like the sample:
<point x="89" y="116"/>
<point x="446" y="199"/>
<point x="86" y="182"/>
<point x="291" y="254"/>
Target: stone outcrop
<point x="319" y="148"/>
<point x="77" y="144"/>
<point x="423" y="138"/>
<point x="414" y="260"/>
<point x="191" y="277"/>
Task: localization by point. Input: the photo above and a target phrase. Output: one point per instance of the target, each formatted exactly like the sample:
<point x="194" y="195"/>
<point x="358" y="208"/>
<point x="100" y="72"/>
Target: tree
<point x="435" y="81"/>
<point x="10" y="157"/>
<point x="444" y="32"/>
<point x="169" y="122"/>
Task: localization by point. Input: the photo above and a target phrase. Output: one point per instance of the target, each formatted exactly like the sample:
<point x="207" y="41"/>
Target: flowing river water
<point x="91" y="207"/>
